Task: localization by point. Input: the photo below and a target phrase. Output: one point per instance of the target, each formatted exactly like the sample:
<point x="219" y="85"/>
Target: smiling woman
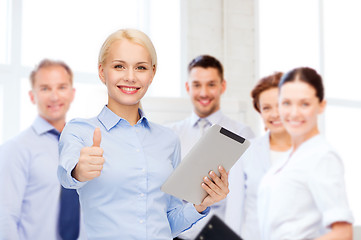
<point x="305" y="192"/>
<point x="119" y="159"/>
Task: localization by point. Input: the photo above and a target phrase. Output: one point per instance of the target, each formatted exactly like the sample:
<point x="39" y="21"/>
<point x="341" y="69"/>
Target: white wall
<point x="226" y="30"/>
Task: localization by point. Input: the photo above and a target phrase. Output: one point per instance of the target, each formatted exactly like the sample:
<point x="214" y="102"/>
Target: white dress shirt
<point x="302" y="197"/>
<point x="189" y="133"/>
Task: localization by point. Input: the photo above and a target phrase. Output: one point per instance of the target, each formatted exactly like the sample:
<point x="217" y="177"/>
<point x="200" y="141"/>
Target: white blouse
<point x="302" y="197"/>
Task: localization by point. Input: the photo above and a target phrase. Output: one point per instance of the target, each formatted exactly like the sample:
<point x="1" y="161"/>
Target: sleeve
<point x="70" y="145"/>
<point x="13" y="180"/>
<point x="328" y="188"/>
<point x="247" y="133"/>
<point x="181" y="215"/>
<point x="235" y="198"/>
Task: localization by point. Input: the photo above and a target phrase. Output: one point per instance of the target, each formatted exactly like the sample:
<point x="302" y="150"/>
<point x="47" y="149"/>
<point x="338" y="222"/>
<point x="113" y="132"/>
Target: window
<point x="342" y="48"/>
<point x="288" y="35"/>
<point x="73" y="31"/>
<point x="4" y="31"/>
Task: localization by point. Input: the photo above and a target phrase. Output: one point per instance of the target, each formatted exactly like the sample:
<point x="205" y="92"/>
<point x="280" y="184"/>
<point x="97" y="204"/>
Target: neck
<point x="298" y="140"/>
<point x="58" y="124"/>
<point x="129" y="113"/>
<point x="280" y="141"/>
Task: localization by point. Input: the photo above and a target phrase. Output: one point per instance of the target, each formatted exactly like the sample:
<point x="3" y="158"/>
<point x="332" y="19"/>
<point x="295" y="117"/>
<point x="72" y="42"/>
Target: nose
<point x="275" y="113"/>
<point x="294" y="110"/>
<point x="54" y="95"/>
<point x="204" y="91"/>
<point x="130" y="75"/>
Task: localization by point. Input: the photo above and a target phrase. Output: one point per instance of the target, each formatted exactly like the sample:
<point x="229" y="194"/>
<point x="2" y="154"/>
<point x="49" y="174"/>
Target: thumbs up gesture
<point x="91" y="160"/>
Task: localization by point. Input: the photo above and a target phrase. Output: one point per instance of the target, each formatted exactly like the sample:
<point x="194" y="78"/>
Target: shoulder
<point x="319" y="154"/>
<point x="22" y="140"/>
<point x="162" y="131"/>
<point x="318" y="146"/>
<point x="20" y="147"/>
<point x="237" y="127"/>
<point x="79" y="128"/>
<point x="259" y="146"/>
<point x="179" y="126"/>
<point x="80" y="124"/>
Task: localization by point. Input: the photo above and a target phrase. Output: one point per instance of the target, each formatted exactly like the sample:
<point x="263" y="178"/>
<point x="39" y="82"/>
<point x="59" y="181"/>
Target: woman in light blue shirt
<point x="118" y="160"/>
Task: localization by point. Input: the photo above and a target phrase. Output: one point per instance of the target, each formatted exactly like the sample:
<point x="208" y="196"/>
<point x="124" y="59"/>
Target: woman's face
<point x="299" y="108"/>
<point x="127" y="73"/>
<point x="268" y="105"/>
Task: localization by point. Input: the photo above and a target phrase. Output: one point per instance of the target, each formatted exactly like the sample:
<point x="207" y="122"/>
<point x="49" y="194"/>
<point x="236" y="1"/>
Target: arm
<point x="79" y="164"/>
<point x="13" y="181"/>
<point x="181" y="215"/>
<point x="328" y="188"/>
<point x="90" y="161"/>
<point x="339" y="231"/>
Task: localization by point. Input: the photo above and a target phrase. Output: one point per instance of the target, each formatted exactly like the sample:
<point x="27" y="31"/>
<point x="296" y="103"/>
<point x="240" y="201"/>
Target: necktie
<point x="69" y="215"/>
<point x="203" y="125"/>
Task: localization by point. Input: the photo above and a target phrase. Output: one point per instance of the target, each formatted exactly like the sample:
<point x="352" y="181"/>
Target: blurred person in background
<point x="205" y="86"/>
<point x="32" y="203"/>
<point x="264" y="152"/>
<point x="304" y="196"/>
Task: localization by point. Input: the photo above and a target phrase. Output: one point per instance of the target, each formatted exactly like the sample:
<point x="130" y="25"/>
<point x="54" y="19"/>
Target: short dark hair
<point x="307" y="75"/>
<point x="264" y="84"/>
<point x="206" y="61"/>
<point x="50" y="63"/>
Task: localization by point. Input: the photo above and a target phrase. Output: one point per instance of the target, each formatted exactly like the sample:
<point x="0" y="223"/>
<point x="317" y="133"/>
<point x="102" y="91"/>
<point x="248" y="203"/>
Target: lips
<point x="55" y="107"/>
<point x="128" y="90"/>
<point x="204" y="102"/>
<point x="295" y="123"/>
<point x="276" y="123"/>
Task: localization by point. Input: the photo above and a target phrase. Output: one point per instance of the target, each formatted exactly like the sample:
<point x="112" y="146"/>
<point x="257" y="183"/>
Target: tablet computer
<point x="218" y="146"/>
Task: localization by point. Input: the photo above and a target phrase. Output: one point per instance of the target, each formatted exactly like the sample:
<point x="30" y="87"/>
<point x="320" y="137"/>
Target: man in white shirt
<point x="205" y="87"/>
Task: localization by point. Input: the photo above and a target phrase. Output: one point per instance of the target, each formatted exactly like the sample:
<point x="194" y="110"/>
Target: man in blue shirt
<point x="29" y="188"/>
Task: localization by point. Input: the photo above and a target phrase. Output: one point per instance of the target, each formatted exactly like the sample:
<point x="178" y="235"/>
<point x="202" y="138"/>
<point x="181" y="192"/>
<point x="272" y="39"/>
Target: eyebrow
<point x="121" y="61"/>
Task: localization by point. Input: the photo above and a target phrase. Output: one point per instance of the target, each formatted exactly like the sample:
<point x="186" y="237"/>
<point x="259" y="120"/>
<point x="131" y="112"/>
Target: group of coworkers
<point x="288" y="185"/>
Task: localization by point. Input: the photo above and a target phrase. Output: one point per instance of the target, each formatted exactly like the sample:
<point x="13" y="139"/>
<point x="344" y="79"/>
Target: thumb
<point x="97" y="137"/>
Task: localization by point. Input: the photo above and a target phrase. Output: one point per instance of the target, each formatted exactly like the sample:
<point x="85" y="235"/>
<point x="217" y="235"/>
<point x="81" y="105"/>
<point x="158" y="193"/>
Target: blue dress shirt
<point x="125" y="201"/>
<point x="29" y="188"/>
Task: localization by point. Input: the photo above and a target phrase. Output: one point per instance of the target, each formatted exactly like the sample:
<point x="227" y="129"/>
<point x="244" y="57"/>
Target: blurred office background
<point x="252" y="38"/>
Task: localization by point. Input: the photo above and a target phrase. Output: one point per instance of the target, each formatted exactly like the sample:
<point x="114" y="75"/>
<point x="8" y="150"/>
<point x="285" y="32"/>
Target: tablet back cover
<point x="218" y="146"/>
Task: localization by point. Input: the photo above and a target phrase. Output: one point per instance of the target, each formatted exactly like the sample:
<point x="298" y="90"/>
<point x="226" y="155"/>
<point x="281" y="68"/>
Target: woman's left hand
<point x="216" y="187"/>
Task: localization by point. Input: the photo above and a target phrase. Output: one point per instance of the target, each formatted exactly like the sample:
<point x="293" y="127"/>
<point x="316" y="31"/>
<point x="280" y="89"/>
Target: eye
<point x="141" y="68"/>
<point x="119" y="66"/>
<point x="63" y="87"/>
<point x="285" y="103"/>
<point x="44" y="89"/>
<point x="305" y="104"/>
<point x="196" y="85"/>
<point x="265" y="108"/>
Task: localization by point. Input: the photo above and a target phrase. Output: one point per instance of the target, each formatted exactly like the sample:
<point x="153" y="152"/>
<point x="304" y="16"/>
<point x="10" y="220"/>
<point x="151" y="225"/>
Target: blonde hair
<point x="132" y="35"/>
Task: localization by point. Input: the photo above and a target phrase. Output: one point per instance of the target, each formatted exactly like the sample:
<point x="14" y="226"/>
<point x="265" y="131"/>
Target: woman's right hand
<point x="91" y="160"/>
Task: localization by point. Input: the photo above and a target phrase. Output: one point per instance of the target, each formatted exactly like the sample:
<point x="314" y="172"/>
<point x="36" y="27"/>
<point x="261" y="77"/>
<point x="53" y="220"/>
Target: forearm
<point x="339" y="231"/>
